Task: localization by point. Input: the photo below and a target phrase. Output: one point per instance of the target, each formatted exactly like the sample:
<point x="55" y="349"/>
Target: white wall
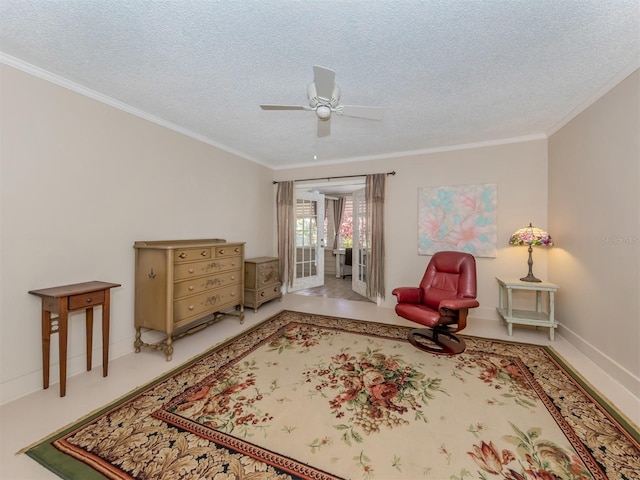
<point x="594" y="214"/>
<point x="80" y="182"/>
<point x="518" y="169"/>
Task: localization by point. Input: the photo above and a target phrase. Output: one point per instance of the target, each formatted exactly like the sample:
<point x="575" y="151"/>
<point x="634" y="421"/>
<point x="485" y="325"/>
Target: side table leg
<point x="89" y="335"/>
<point x="552" y="315"/>
<point x="63" y="319"/>
<point x="46" y="346"/>
<point x="105" y="332"/>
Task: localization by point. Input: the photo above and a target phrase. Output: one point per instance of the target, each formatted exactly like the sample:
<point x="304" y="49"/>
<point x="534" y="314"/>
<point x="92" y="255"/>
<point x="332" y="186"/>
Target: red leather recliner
<point x="441" y="302"/>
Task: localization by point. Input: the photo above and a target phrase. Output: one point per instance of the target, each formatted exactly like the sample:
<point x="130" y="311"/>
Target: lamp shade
<point x="531" y="236"/>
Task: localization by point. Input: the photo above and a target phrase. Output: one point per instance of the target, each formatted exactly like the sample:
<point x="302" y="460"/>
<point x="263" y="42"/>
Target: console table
<point x="539" y="317"/>
<point x="62" y="300"/>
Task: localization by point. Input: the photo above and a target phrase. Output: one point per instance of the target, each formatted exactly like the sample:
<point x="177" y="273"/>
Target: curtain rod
<point x="331" y="178"/>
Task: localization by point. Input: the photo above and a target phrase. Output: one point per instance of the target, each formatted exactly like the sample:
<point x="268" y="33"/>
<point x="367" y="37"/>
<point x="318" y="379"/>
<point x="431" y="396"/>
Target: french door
<point x="309" y="269"/>
<point x="361" y="244"/>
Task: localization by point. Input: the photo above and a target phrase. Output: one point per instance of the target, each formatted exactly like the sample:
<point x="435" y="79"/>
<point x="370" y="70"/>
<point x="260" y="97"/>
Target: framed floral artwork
<point x="461" y="218"/>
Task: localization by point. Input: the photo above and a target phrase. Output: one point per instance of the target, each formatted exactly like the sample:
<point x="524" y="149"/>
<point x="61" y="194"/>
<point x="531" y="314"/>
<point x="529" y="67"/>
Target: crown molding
<point x="426" y="151"/>
<point x="112" y="102"/>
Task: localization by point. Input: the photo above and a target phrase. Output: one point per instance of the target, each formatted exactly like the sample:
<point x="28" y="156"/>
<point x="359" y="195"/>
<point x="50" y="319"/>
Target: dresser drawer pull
<point x="191" y="287"/>
<point x="191" y="307"/>
<point x="237" y="250"/>
<point x="89" y="300"/>
<point x="275" y="289"/>
<point x="183" y="255"/>
<point x="233" y="277"/>
<point x="191" y="270"/>
<point x="233" y="264"/>
<point x="262" y="294"/>
<point x="233" y="294"/>
<point x="203" y="253"/>
<point x="221" y="251"/>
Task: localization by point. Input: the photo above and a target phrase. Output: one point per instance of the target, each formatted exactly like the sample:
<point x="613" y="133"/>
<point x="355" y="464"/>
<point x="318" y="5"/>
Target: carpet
<point x="318" y="397"/>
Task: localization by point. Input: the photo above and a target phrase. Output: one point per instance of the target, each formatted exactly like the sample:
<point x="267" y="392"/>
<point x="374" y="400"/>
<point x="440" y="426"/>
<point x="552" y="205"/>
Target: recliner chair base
<point x="439" y="341"/>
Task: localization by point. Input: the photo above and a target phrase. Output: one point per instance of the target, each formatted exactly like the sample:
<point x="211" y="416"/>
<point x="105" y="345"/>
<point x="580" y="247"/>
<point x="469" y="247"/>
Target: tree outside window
<point x="346" y="232"/>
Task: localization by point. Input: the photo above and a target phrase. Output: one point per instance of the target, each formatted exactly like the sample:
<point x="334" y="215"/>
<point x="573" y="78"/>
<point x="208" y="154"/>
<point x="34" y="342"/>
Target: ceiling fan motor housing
<point x="315" y="100"/>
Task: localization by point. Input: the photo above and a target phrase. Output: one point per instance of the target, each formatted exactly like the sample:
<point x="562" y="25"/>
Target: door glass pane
<point x="306" y="238"/>
<point x="362" y="240"/>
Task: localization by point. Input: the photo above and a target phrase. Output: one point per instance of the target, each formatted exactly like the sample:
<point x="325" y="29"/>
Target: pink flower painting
<point x="459" y="218"/>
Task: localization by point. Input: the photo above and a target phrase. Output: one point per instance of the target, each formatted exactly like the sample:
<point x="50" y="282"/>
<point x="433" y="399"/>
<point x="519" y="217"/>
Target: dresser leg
<point x="138" y="343"/>
<point x="169" y="349"/>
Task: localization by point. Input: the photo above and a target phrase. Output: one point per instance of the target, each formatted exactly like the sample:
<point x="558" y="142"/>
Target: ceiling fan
<point x="324" y="99"/>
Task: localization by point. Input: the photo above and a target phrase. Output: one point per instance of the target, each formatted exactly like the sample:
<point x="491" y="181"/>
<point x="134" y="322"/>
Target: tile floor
<point x="334" y="288"/>
<point x="34" y="416"/>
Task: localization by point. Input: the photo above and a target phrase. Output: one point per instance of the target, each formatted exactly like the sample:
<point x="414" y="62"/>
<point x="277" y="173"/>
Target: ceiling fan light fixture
<point x="323" y="112"/>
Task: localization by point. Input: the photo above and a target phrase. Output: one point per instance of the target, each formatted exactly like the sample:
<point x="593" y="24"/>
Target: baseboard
<point x="32" y="382"/>
<point x="484" y="313"/>
<point x="616" y="371"/>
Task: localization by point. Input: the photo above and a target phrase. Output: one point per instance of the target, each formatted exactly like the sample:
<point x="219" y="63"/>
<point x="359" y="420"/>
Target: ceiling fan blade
<point x="325" y="80"/>
<point x="324" y="128"/>
<point x="372" y="113"/>
<point x="284" y="107"/>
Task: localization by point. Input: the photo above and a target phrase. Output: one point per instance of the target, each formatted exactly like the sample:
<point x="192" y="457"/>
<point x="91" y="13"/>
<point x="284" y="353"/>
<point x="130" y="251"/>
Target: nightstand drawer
<point x="265" y="294"/>
<point x="86" y="300"/>
<point x="268" y="274"/>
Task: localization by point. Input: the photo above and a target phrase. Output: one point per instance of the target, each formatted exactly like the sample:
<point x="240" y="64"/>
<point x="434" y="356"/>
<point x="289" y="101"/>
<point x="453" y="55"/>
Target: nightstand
<point x="261" y="281"/>
<point x="538" y="317"/>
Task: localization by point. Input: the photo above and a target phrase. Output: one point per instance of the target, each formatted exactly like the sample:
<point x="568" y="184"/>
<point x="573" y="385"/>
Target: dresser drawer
<point x="228" y="251"/>
<point x="210" y="267"/>
<point x="207" y="302"/>
<point x="191" y="254"/>
<point x="202" y="284"/>
<point x="86" y="300"/>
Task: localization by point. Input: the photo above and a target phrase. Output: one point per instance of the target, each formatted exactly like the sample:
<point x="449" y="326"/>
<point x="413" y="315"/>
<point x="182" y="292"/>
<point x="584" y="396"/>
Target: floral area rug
<point x="311" y="396"/>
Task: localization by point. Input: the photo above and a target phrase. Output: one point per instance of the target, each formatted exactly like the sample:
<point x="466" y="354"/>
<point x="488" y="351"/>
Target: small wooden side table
<point x="539" y="317"/>
<point x="62" y="300"/>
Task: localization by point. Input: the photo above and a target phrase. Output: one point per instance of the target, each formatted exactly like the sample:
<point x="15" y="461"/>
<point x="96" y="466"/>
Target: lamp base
<point x="530" y="278"/>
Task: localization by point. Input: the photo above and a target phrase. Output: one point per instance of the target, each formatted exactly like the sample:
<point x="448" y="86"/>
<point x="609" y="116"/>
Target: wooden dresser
<point x="182" y="286"/>
<point x="261" y="281"/>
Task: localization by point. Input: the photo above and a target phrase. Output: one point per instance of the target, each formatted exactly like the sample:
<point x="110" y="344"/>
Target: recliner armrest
<point x="408" y="294"/>
<point x="459" y="303"/>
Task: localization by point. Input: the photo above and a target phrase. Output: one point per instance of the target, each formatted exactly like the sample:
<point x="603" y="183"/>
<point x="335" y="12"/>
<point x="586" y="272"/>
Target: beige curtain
<point x="286" y="231"/>
<point x="338" y="211"/>
<point x="374" y="193"/>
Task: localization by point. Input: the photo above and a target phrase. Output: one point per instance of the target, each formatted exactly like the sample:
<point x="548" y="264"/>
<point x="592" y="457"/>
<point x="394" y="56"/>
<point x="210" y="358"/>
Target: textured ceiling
<point x="447" y="72"/>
